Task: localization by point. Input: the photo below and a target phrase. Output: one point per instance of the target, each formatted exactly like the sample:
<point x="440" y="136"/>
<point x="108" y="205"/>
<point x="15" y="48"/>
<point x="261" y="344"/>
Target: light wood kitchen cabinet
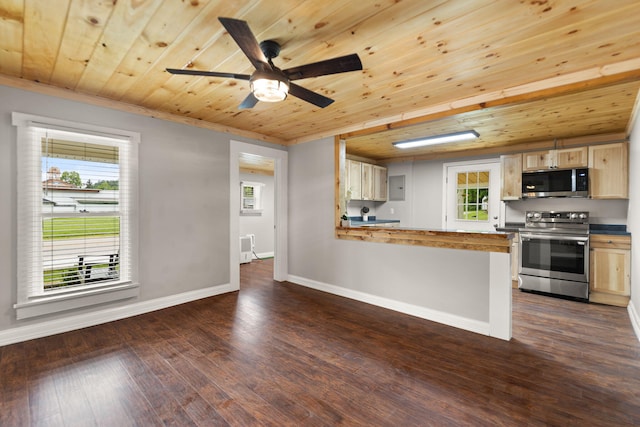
<point x="567" y="158"/>
<point x="511" y="177"/>
<point x="365" y="181"/>
<point x="379" y="183"/>
<point x="610" y="269"/>
<point x="564" y="158"/>
<point x="353" y="180"/>
<point x="536" y="160"/>
<point x="609" y="171"/>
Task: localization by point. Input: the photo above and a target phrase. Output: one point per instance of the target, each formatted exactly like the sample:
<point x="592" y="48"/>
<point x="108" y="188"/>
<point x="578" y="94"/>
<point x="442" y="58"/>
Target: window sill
<point x="41" y="305"/>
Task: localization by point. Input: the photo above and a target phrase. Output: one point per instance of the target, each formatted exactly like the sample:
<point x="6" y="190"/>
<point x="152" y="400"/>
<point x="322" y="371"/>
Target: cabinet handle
<point x="610" y="241"/>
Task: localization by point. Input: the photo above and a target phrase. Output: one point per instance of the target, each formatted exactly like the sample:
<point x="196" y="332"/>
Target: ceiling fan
<point x="269" y="83"/>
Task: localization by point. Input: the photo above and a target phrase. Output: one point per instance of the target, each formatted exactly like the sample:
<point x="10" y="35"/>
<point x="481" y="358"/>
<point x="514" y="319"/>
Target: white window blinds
<point x="76" y="216"/>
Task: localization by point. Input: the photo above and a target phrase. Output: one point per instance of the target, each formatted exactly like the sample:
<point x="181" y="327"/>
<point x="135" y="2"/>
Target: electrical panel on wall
<point x="396" y="188"/>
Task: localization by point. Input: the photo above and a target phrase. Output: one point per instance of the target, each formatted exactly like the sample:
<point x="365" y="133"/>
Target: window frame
<point x="257" y="198"/>
<point x="469" y="187"/>
<point x="32" y="300"/>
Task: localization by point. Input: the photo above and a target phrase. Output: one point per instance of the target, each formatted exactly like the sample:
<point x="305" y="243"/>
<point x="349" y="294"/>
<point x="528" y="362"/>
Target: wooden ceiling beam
<point x="596" y="77"/>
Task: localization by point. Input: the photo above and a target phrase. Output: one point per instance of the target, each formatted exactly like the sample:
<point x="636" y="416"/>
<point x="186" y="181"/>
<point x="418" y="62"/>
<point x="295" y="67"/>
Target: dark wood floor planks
<point x="278" y="354"/>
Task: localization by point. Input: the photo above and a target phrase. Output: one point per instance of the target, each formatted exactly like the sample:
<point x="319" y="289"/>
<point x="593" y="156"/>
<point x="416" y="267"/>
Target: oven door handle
<point x="580" y="239"/>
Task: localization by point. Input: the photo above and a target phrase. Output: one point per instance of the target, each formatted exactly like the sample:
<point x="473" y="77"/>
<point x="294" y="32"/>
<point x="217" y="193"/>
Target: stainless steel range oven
<point x="554" y="254"/>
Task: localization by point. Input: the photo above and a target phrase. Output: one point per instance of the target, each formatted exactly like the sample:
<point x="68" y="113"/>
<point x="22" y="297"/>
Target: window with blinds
<point x="81" y="215"/>
<point x="251" y="198"/>
<point x="76" y="194"/>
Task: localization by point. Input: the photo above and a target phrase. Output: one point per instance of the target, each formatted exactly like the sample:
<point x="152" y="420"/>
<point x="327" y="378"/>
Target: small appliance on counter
<point x="554" y="254"/>
<point x="364" y="211"/>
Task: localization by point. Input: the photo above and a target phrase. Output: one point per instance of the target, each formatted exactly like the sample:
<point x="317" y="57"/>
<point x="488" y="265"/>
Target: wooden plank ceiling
<point x="516" y="71"/>
<point x="252" y="163"/>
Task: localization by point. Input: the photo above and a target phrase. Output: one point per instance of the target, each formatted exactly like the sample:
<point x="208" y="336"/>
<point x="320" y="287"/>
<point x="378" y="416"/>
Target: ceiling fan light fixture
<point x="268" y="82"/>
<point x="438" y="139"/>
<point x="269" y="89"/>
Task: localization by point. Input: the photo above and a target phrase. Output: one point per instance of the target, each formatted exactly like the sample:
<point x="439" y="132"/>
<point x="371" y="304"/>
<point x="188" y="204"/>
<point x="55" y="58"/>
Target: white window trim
<point x="257" y="195"/>
<point x="29" y="305"/>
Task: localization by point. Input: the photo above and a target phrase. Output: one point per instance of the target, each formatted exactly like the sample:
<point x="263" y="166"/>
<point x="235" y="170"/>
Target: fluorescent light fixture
<point x="438" y="139"/>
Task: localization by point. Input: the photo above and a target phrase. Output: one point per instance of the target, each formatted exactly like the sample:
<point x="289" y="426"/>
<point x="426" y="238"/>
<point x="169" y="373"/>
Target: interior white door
<point x="472" y="196"/>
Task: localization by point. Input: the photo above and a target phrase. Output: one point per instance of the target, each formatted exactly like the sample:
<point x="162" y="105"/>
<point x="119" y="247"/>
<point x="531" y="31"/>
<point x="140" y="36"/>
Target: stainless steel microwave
<point x="556" y="183"/>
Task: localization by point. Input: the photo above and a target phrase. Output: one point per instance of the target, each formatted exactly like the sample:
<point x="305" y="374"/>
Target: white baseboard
<point x="52" y="327"/>
<point x="635" y="319"/>
<point x="402" y="307"/>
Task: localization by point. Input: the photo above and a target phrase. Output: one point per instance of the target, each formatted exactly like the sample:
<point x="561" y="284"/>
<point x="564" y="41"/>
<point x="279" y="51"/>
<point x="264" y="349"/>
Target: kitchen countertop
<point x="356" y="221"/>
<point x="616" y="229"/>
<point x="511" y="227"/>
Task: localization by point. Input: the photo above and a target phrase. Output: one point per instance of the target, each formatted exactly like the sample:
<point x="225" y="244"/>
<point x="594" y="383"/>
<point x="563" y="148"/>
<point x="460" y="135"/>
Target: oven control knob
<point x="537" y="215"/>
<point x="529" y="214"/>
<point x="583" y="216"/>
<point x="574" y="216"/>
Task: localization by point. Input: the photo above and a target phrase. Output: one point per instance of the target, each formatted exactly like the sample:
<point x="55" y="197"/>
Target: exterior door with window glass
<point x="472" y="196"/>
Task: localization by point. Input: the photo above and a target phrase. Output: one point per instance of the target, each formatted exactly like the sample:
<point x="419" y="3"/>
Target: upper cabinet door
<point x="511" y="177"/>
<point x="353" y="186"/>
<point x="567" y="158"/>
<point x="609" y="171"/>
<point x="379" y="183"/>
<point x="564" y="158"/>
<point x="367" y="181"/>
<point x="537" y="160"/>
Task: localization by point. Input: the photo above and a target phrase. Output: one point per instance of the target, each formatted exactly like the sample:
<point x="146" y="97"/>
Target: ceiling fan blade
<point x="249" y="102"/>
<point x="247" y="42"/>
<point x="309" y="96"/>
<point x="209" y="74"/>
<point x="341" y="64"/>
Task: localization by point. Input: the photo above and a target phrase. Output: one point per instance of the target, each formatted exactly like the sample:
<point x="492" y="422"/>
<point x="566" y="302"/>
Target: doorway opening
<point x="258" y="207"/>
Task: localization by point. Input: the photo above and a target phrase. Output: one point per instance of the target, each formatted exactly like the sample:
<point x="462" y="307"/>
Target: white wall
<point x="261" y="225"/>
<point x="183" y="201"/>
<point x="441" y="282"/>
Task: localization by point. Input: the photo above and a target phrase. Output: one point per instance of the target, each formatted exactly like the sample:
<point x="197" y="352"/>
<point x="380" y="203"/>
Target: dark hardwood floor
<point x="280" y="354"/>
